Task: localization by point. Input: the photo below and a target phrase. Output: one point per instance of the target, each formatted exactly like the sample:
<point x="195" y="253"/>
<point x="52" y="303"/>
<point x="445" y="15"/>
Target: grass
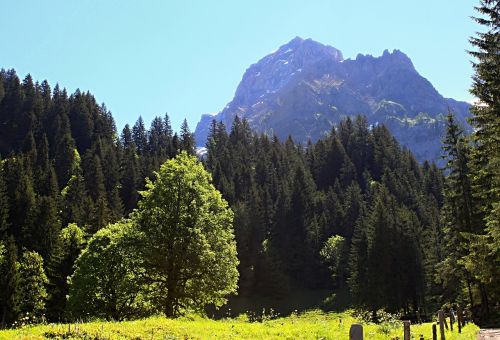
<point x="309" y="325"/>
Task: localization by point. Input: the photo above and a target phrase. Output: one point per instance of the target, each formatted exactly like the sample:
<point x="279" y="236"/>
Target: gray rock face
<point x="304" y="88"/>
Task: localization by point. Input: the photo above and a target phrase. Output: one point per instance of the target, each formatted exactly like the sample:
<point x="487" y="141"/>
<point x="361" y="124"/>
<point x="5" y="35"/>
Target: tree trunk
<point x="170" y="311"/>
<point x="484" y="300"/>
<point x="169" y="308"/>
<point x="470" y="291"/>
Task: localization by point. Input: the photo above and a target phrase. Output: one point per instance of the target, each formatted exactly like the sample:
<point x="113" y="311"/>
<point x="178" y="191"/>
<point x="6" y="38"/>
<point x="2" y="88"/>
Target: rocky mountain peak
<point x="276" y="70"/>
<point x="308" y="50"/>
<point x="304" y="88"/>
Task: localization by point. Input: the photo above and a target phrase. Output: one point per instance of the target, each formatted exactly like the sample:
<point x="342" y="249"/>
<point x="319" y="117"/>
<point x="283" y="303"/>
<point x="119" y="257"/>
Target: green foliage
<point x="32" y="282"/>
<point x="334" y="254"/>
<point x="69" y="245"/>
<point x="187" y="240"/>
<point x="175" y="254"/>
<point x="104" y="283"/>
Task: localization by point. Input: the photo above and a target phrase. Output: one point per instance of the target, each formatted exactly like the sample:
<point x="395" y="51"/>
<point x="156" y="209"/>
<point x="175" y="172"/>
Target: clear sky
<point x="187" y="57"/>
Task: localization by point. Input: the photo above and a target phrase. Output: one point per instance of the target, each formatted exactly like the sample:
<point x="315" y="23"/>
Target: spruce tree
<point x="9" y="284"/>
<point x="130" y="181"/>
<point x="4" y="206"/>
<point x="81" y="122"/>
<point x="139" y="136"/>
<point x="483" y="261"/>
<point x="187" y="142"/>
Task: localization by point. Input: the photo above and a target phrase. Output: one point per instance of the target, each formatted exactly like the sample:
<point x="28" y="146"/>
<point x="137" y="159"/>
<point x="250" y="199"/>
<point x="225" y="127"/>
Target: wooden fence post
<point x="434" y="332"/>
<point x="356" y="332"/>
<point x="441" y="324"/>
<point x="406" y="327"/>
<point x="459" y="319"/>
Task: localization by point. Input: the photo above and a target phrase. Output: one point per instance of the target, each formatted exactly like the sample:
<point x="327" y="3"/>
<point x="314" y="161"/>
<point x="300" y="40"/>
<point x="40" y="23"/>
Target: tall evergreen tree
<point x="187" y="142"/>
<point x="4" y="206"/>
<point x="139" y="136"/>
<point x="130" y="173"/>
<point x="9" y="284"/>
<point x="483" y="261"/>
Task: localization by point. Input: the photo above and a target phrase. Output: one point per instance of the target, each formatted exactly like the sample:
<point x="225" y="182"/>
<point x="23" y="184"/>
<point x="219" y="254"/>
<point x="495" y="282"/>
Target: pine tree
<point x="358" y="257"/>
<point x="45" y="175"/>
<point x="22" y="200"/>
<point x="130" y="173"/>
<point x="62" y="144"/>
<point x="94" y="178"/>
<point x="46" y="227"/>
<point x="9" y="284"/>
<point x="139" y="136"/>
<point x="74" y="196"/>
<point x="171" y="150"/>
<point x="4" y="206"/>
<point x="483" y="261"/>
<point x="457" y="210"/>
<point x="187" y="142"/>
<point x="81" y="122"/>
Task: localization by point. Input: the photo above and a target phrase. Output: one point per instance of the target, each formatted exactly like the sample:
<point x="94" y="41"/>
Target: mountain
<point x="304" y="88"/>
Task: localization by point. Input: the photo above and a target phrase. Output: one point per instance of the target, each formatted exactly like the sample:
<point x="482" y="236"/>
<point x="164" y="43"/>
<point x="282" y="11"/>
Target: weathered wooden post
<point x="451" y="321"/>
<point x="459" y="319"/>
<point x="356" y="332"/>
<point x="406" y="328"/>
<point x="441" y="324"/>
<point x="434" y="332"/>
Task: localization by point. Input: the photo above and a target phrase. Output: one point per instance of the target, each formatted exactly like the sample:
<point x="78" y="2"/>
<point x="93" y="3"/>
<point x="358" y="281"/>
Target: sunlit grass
<point x="310" y="325"/>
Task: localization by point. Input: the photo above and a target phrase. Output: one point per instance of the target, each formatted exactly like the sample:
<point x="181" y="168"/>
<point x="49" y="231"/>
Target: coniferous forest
<point x="353" y="213"/>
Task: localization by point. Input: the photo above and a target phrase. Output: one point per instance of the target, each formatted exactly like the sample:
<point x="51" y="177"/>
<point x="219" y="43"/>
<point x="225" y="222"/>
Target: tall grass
<point x="309" y="325"/>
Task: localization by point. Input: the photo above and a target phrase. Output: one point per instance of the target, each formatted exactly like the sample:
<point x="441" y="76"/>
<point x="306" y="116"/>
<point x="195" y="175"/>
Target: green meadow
<point x="309" y="325"/>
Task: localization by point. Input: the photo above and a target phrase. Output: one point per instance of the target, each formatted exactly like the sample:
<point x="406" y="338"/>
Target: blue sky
<point x="187" y="57"/>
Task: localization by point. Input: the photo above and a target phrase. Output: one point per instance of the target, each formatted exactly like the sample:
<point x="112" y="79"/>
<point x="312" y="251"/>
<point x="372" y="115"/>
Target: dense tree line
<point x="354" y="212"/>
<point x="358" y="185"/>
